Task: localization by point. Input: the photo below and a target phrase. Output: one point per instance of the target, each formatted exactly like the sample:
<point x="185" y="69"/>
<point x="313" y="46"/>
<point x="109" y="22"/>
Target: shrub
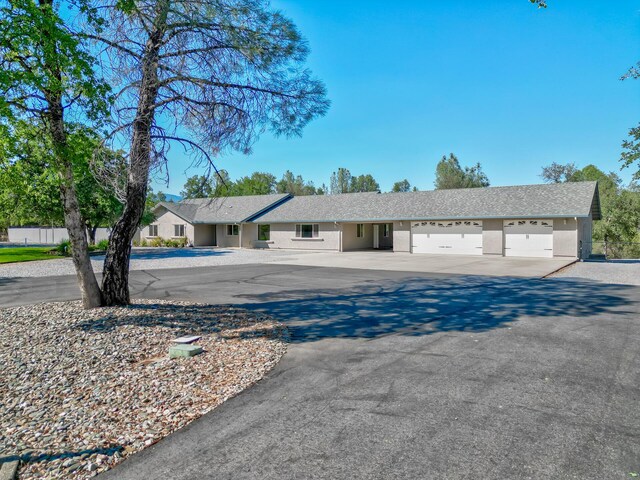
<point x="103" y="244"/>
<point x="64" y="248"/>
<point x="176" y="242"/>
<point x="143" y="242"/>
<point x="156" y="242"/>
<point x="136" y="243"/>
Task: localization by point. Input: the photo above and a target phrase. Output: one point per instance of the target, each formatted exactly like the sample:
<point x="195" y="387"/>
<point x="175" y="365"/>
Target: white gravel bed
<point x="151" y="259"/>
<point x="624" y="272"/>
<point x="80" y="390"/>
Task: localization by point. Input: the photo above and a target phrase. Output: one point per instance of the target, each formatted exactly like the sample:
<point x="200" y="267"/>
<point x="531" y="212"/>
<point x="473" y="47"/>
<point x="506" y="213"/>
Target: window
<point x="153" y="230"/>
<point x="264" y="232"/>
<point x="360" y="230"/>
<point x="232" y="230"/>
<point x="307" y="230"/>
<point x="178" y="230"/>
<point x="386" y="229"/>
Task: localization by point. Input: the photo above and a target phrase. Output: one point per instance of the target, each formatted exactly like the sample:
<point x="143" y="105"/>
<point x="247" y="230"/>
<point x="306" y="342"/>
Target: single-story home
<point x="551" y="220"/>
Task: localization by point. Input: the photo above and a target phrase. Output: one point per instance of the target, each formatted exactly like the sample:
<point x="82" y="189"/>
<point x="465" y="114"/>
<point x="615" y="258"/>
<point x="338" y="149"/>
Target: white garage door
<point x="528" y="238"/>
<point x="458" y="238"/>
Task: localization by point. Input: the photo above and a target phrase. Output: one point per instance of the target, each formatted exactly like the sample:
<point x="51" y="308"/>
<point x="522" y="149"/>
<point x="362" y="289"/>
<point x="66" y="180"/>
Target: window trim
<point x="315" y="230"/>
<point x="233" y="228"/>
<point x="360" y="230"/>
<point x="155" y="226"/>
<point x="386" y="230"/>
<point x="177" y="228"/>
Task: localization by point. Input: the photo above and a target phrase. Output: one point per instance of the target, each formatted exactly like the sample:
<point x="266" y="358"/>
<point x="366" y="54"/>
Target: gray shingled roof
<point x="573" y="199"/>
<point x="222" y="209"/>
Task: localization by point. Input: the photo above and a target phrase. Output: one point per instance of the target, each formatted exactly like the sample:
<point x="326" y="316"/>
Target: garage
<point x="528" y="238"/>
<point x="454" y="237"/>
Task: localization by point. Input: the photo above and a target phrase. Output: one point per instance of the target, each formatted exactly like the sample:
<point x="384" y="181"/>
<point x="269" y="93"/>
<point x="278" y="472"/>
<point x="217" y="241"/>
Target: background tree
<point x="340" y="181"/>
<point x="620" y="207"/>
<point x="198" y="186"/>
<point x="364" y="183"/>
<point x="631" y="152"/>
<point x="558" y="173"/>
<point x="295" y="185"/>
<point x="46" y="77"/>
<point x="401" y="186"/>
<point x="31" y="185"/>
<point x="259" y="183"/>
<point x="223" y="71"/>
<point x="449" y="174"/>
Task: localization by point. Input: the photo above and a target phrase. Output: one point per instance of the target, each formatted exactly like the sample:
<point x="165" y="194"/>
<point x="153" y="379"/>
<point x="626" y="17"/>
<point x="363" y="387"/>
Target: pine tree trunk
<point x="115" y="275"/>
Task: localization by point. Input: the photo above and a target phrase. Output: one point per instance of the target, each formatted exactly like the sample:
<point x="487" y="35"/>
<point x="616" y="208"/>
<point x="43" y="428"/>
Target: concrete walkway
<point x="425" y="263"/>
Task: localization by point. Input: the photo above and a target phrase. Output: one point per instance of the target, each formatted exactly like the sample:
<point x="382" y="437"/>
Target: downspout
<point x="240" y="235"/>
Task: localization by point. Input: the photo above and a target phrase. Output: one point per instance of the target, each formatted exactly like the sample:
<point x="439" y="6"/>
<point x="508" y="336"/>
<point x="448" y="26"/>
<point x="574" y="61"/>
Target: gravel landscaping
<point x="623" y="272"/>
<point x="80" y="390"/>
<point x="151" y="259"/>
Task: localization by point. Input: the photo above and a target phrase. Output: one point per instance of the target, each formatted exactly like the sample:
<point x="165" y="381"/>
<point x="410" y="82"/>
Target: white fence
<point x="46" y="235"/>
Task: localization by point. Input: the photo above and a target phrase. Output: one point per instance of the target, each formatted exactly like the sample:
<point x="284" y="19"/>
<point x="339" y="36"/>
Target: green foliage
<point x="343" y="182"/>
<point x="558" y="173"/>
<point x="30" y="183"/>
<point x="64" y="248"/>
<point x="295" y="185"/>
<point x="340" y="181"/>
<point x="620" y="207"/>
<point x="364" y="183"/>
<point x="198" y="186"/>
<point x="259" y="183"/>
<point x="179" y="242"/>
<point x="42" y="59"/>
<point x="631" y="153"/>
<point x="401" y="186"/>
<point x="103" y="244"/>
<point x="449" y="174"/>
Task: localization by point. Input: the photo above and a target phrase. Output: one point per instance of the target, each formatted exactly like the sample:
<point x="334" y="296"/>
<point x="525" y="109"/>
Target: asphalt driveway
<point x="405" y="375"/>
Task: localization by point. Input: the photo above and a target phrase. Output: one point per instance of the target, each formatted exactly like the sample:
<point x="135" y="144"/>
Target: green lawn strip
<point x="27" y="254"/>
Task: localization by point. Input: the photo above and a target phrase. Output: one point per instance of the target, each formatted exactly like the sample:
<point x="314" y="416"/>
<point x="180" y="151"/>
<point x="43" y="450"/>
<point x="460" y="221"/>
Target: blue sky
<point x="497" y="82"/>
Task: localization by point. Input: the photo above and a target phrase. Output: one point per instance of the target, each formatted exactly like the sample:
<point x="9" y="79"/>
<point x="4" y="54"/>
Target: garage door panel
<point x="455" y="237"/>
<point x="528" y="238"/>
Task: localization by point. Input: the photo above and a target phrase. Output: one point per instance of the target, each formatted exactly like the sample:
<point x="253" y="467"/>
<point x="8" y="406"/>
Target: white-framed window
<point x="307" y="230"/>
<point x="178" y="230"/>
<point x="386" y="229"/>
<point x="360" y="230"/>
<point x="153" y="230"/>
<point x="264" y="232"/>
<point x="232" y="230"/>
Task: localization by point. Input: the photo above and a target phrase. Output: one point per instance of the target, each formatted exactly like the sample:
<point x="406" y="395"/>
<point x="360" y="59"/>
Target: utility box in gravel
<point x="184" y="350"/>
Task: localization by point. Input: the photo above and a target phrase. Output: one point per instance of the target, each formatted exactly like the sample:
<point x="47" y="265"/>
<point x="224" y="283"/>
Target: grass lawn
<point x="26" y="254"/>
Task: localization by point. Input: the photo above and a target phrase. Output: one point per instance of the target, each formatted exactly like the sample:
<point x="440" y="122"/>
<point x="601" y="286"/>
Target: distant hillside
<point x="172" y="198"/>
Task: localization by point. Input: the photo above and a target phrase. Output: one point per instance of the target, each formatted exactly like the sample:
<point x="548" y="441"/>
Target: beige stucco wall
<point x="350" y="240"/>
<point x="204" y="235"/>
<point x="249" y="235"/>
<point x="402" y="236"/>
<point x="224" y="240"/>
<point x="565" y="237"/>
<point x="283" y="235"/>
<point x="492" y="237"/>
<point x="585" y="234"/>
<point x="166" y="222"/>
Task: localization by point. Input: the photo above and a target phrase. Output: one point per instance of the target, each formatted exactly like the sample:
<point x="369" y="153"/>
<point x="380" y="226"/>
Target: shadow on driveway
<point x="413" y="306"/>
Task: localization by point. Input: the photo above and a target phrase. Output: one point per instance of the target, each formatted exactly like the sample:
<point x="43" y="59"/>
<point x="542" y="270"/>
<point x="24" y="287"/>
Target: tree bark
<point x="115" y="275"/>
<point x="91" y="296"/>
